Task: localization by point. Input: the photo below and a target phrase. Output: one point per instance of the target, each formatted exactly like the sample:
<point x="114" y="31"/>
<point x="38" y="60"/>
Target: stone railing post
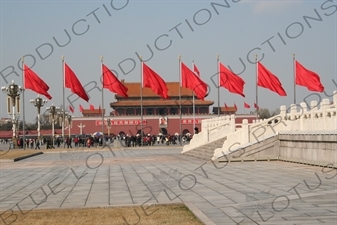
<point x="313" y="109"/>
<point x="245" y="132"/>
<point x="283" y="115"/>
<point x="324" y="106"/>
<point x="232" y="119"/>
<point x="283" y="111"/>
<point x="302" y="116"/>
<point x="204" y="128"/>
<point x="293" y="112"/>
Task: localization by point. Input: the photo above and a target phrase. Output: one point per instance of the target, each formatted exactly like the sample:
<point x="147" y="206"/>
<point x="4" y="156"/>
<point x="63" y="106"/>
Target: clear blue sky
<point x="117" y="30"/>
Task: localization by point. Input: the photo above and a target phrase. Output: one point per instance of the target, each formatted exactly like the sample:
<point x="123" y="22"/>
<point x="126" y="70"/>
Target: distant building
<point x="159" y="115"/>
<point x="154" y="105"/>
<point x="224" y="111"/>
<point x="93" y="113"/>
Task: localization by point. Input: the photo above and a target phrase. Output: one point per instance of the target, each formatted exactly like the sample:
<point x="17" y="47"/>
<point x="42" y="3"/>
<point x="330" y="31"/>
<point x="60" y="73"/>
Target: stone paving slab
<point x="245" y="193"/>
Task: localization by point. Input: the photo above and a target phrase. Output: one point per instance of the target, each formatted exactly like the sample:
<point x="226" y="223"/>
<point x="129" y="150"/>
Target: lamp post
<point x="13" y="92"/>
<point x="108" y="123"/>
<point x="52" y="112"/>
<point x="69" y="121"/>
<point x="61" y="120"/>
<point x="38" y="103"/>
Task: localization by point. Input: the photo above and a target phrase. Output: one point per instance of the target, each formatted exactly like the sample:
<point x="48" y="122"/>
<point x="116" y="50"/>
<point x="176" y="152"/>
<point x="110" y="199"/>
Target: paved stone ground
<point x="234" y="193"/>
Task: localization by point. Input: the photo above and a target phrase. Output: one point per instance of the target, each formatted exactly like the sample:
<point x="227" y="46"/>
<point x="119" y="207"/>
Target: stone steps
<point x="206" y="152"/>
<point x="265" y="150"/>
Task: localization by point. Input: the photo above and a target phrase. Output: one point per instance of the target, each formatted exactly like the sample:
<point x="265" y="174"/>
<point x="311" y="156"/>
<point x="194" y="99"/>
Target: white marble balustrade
<point x="319" y="117"/>
<point x="212" y="130"/>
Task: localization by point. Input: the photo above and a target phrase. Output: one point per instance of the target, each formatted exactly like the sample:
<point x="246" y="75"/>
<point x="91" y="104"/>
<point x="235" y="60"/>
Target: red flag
<point x="236" y="108"/>
<point x="152" y="80"/>
<point x="196" y="71"/>
<point x="111" y="82"/>
<point x="256" y="106"/>
<point x="74" y="84"/>
<point x="71" y="109"/>
<point x="308" y="79"/>
<point x="231" y="81"/>
<point x="246" y="106"/>
<point x="33" y="82"/>
<point x="92" y="107"/>
<point x="81" y="108"/>
<point x="193" y="82"/>
<point x="226" y="107"/>
<point x="268" y="80"/>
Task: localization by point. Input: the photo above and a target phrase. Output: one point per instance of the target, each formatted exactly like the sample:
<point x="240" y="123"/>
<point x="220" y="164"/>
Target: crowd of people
<point x="95" y="141"/>
<point x="148" y="140"/>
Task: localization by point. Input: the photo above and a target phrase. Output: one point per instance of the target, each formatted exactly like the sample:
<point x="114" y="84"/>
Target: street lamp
<point x="13" y="92"/>
<point x="52" y="112"/>
<point x="61" y="120"/>
<point x="108" y="123"/>
<point x="38" y="103"/>
<point x="69" y="121"/>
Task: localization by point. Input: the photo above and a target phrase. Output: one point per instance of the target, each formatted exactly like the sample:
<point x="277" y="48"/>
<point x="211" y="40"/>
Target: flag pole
<point x="180" y="128"/>
<point x="23" y="108"/>
<point x="63" y="108"/>
<point x="193" y="104"/>
<point x="294" y="71"/>
<point x="141" y="100"/>
<point x="217" y="65"/>
<point x="256" y="90"/>
<point x="103" y="140"/>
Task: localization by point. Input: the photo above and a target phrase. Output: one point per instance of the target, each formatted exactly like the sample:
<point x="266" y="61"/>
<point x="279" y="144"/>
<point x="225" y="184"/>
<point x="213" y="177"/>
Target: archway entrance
<point x="163" y="131"/>
<point x="186" y="131"/>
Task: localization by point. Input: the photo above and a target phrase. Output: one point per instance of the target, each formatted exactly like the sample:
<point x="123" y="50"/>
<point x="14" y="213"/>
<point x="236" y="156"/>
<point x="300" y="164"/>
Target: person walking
<point x="68" y="142"/>
<point x="37" y="144"/>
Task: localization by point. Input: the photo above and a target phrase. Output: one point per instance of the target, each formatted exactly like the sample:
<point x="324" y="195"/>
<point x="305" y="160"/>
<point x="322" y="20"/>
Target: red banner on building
<point x="190" y="121"/>
<point x="121" y="122"/>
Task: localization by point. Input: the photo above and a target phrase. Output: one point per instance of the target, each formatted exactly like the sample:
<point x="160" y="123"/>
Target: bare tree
<point x="263" y="113"/>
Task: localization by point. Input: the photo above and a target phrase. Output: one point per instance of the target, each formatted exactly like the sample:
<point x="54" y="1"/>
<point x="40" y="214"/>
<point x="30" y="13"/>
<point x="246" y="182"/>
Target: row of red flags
<point x="33" y="82"/>
<point x="189" y="79"/>
<point x="231" y="81"/>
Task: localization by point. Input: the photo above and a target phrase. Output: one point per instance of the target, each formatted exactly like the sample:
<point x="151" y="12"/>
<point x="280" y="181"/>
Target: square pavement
<point x="234" y="193"/>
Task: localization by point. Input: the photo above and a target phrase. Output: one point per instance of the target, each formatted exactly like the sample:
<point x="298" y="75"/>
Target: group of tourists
<point x="151" y="140"/>
<point x="32" y="143"/>
<point x="96" y="141"/>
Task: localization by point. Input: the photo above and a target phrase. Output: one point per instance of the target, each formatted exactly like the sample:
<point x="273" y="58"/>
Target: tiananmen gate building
<point x="159" y="115"/>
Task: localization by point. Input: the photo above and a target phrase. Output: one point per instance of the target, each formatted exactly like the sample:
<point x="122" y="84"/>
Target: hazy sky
<point x="196" y="30"/>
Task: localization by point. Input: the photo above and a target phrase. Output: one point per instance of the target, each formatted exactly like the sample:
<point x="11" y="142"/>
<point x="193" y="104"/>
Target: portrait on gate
<point x="163" y="122"/>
